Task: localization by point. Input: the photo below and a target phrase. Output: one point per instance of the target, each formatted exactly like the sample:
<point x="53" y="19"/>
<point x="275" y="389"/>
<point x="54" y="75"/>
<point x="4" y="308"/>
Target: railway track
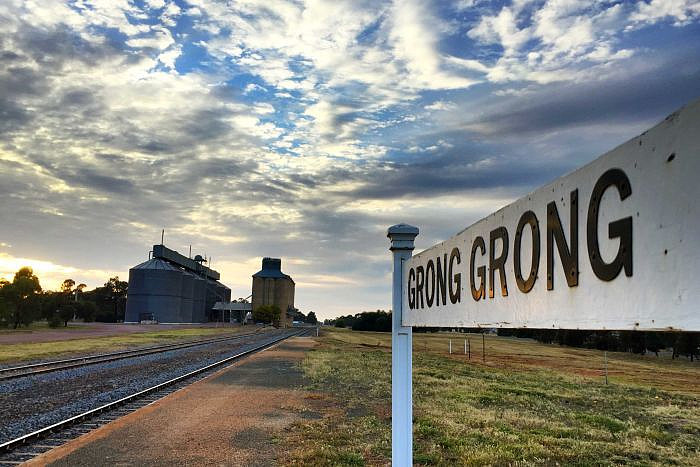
<point x="56" y="365"/>
<point x="30" y="445"/>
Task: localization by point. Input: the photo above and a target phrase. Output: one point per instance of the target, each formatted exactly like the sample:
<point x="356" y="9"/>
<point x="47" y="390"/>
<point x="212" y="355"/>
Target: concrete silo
<point x="273" y="287"/>
<point x="155" y="292"/>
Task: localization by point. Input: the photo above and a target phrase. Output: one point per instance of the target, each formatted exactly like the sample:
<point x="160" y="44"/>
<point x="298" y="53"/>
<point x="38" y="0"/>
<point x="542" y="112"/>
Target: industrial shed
<point x="172" y="288"/>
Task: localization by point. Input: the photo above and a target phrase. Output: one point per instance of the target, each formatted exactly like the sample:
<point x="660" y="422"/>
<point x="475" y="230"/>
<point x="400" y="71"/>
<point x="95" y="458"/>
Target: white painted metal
<point x="663" y="167"/>
<point x="402" y="237"/>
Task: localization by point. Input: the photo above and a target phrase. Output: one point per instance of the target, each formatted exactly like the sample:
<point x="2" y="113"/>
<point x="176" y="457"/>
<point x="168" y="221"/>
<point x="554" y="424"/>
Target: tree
<point x="687" y="343"/>
<point x="378" y="321"/>
<point x="269" y="314"/>
<point x="5" y="306"/>
<point x="343" y="321"/>
<point x="111" y="299"/>
<point x="66" y="313"/>
<point x="311" y="318"/>
<point x="22" y="294"/>
<point x="86" y="310"/>
<point x="67" y="286"/>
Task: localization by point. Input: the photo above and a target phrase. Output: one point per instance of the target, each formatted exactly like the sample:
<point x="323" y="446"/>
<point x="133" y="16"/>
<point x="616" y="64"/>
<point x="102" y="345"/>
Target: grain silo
<point x="199" y="312"/>
<point x="172" y="288"/>
<point x="155" y="292"/>
<point x="186" y="315"/>
<point x="273" y="287"/>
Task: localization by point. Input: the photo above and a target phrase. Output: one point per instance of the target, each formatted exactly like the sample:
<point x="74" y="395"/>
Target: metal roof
<point x="161" y="251"/>
<point x="272" y="268"/>
<point x="233" y="306"/>
<point x="157" y="263"/>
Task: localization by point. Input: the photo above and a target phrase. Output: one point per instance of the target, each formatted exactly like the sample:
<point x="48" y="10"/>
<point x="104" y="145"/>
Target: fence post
<point x="450" y="346"/>
<point x="605" y="356"/>
<point x="401" y="237"/>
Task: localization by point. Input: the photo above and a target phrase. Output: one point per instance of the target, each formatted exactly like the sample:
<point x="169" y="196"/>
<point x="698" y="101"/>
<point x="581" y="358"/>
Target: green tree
<point x="79" y="290"/>
<point x="269" y="314"/>
<point x="86" y="310"/>
<point x="66" y="313"/>
<point x="67" y="286"/>
<point x="61" y="305"/>
<point x="117" y="291"/>
<point x="687" y="343"/>
<point x="5" y="304"/>
<point x="23" y="296"/>
<point x="311" y="318"/>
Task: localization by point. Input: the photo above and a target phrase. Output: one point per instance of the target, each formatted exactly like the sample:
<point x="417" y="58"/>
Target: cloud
<point x="440" y="105"/>
<point x="501" y="29"/>
<point x="158" y="38"/>
<point x="169" y="57"/>
<point x="616" y="100"/>
<point x="567" y="41"/>
<point x="254" y="87"/>
<point x="422" y="60"/>
<point x="302" y="129"/>
<point x="681" y="12"/>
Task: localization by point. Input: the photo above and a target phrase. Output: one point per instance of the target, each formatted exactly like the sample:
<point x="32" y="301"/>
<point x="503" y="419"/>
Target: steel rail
<point x="20" y="371"/>
<point x="42" y="432"/>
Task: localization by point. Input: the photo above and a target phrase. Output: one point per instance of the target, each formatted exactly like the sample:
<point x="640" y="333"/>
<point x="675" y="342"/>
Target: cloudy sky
<point x="303" y="129"/>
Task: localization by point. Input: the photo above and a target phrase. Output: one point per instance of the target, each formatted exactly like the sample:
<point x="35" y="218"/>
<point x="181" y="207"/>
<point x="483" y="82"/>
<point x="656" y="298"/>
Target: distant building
<point x="272" y="287"/>
<point x="234" y="312"/>
<point x="172" y="288"/>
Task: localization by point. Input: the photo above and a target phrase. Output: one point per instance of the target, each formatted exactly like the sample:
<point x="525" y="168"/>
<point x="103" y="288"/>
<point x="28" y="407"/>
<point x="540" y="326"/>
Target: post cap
<point x="402" y="236"/>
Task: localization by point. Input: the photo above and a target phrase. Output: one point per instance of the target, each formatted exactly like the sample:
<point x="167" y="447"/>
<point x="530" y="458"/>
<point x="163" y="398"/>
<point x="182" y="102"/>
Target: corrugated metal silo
<point x="155" y="292"/>
<point x="210" y="299"/>
<point x="223" y="292"/>
<point x="199" y="312"/>
<point x="186" y="315"/>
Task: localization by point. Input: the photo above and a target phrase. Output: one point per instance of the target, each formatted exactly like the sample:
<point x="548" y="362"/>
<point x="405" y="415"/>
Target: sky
<point x="304" y="129"/>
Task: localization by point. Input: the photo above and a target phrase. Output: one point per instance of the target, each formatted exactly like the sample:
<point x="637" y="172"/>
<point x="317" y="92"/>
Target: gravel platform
<point x="33" y="402"/>
<point x="234" y="417"/>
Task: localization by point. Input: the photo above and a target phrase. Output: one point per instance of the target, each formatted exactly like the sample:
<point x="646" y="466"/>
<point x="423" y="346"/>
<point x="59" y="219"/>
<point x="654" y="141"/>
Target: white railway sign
<point x="613" y="245"/>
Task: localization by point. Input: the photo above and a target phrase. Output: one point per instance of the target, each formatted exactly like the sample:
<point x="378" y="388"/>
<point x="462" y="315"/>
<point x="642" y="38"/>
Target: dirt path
<point x="230" y="418"/>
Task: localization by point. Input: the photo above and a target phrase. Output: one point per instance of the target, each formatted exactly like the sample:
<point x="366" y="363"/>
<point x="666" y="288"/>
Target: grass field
<point x="37" y="326"/>
<point x="46" y="350"/>
<point x="528" y="404"/>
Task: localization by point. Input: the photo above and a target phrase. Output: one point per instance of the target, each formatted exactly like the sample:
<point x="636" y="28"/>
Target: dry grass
<point x="528" y="404"/>
<point x="45" y="350"/>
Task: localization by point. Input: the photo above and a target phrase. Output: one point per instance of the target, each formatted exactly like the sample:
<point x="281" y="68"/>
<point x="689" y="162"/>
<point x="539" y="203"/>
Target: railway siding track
<point x="28" y="446"/>
<point x="56" y="365"/>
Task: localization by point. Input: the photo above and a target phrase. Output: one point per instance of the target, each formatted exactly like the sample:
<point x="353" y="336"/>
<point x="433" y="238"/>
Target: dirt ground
<point x="233" y="417"/>
<point x="84" y="330"/>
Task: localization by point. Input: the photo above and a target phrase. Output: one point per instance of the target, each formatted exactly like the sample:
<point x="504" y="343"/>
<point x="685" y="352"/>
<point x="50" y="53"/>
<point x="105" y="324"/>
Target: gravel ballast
<point x="33" y="402"/>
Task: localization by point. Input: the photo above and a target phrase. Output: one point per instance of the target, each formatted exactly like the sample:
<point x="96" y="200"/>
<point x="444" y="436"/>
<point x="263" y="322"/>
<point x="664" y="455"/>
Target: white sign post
<point x="614" y="245"/>
<point x="401" y="237"/>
